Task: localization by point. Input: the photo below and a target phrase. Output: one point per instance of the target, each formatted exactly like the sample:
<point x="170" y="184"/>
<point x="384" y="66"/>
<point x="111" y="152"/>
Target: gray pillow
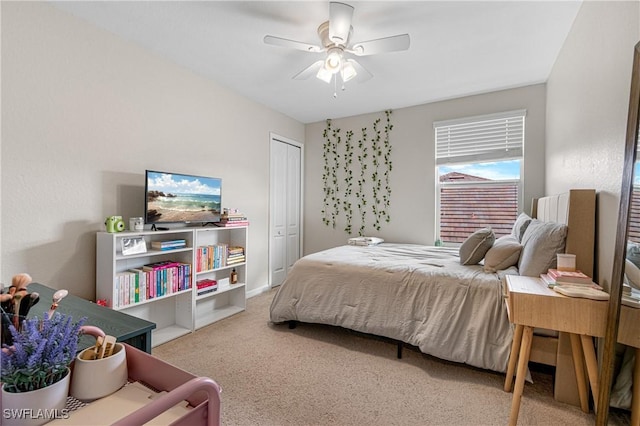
<point x="633" y="253"/>
<point x="504" y="253"/>
<point x="521" y="224"/>
<point x="541" y="242"/>
<point x="476" y="245"/>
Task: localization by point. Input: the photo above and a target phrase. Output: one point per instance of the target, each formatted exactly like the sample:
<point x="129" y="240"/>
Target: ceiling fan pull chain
<point x="335" y="86"/>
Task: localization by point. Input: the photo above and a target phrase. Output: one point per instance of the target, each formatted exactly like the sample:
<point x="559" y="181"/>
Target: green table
<point x="125" y="328"/>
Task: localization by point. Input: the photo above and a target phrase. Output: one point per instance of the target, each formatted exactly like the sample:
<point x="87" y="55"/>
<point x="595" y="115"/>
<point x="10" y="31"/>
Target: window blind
<point x="482" y="138"/>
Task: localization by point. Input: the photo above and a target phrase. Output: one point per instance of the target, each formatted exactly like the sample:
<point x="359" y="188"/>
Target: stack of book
<point x="211" y="257"/>
<point x="206" y="286"/>
<point x="235" y="255"/>
<point x="630" y="296"/>
<point x="168" y="244"/>
<point x="555" y="277"/>
<point x="232" y="217"/>
<point x="574" y="284"/>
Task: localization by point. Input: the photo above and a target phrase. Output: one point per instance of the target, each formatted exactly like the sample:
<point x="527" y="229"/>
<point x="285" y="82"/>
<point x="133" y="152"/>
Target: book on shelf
<point x="569" y="277"/>
<point x="231" y="212"/>
<point x="168" y="245"/>
<point x="210" y="257"/>
<point x="205" y="286"/>
<point x="207" y="291"/>
<point x="168" y="277"/>
<point x="231" y="224"/>
<point x="233" y="218"/>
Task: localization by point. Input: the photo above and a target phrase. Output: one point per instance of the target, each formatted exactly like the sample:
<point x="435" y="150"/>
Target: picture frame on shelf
<point x="133" y="245"/>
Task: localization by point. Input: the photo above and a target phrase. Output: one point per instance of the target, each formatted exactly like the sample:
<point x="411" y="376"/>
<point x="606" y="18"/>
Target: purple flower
<point x="40" y="354"/>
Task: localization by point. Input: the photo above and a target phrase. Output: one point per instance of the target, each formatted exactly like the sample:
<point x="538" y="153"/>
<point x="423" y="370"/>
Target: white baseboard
<point x="258" y="291"/>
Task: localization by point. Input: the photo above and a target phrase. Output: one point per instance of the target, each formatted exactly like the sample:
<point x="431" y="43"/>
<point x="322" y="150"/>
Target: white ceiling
<point x="457" y="48"/>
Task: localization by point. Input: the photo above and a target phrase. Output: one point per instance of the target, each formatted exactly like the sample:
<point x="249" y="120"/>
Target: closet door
<point x="286" y="208"/>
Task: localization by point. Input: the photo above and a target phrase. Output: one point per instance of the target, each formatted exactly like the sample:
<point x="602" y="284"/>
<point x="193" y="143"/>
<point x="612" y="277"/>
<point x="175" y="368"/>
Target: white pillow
<point x="365" y="241"/>
<point x="521" y="224"/>
<point x="476" y="246"/>
<point x="504" y="253"/>
<point x="541" y="243"/>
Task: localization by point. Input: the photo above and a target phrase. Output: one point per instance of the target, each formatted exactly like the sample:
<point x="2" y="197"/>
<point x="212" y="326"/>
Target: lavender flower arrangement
<point x="40" y="353"/>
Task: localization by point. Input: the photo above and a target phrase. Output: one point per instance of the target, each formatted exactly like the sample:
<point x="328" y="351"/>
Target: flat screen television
<point x="174" y="198"/>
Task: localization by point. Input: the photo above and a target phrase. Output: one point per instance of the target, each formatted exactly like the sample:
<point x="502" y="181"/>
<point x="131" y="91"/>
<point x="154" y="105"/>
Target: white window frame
<point x="456" y="142"/>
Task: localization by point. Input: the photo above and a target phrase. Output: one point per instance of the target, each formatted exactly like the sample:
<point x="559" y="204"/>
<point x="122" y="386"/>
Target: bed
<point x="423" y="296"/>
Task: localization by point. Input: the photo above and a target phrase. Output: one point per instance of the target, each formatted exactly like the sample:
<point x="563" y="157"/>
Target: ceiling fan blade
<point x="340" y="16"/>
<point x="381" y="45"/>
<point x="309" y="71"/>
<point x="363" y="73"/>
<point x="278" y="41"/>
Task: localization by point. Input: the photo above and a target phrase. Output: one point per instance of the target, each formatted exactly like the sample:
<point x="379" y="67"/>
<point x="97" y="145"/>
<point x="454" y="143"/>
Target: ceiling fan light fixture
<point x="324" y="75"/>
<point x="333" y="63"/>
<point x="348" y="71"/>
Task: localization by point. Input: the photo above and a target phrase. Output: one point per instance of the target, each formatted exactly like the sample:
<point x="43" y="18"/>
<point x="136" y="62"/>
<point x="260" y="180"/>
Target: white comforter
<point x="420" y="295"/>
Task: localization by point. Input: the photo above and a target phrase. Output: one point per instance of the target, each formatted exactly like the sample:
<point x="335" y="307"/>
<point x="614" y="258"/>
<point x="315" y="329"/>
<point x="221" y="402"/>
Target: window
<point x="478" y="169"/>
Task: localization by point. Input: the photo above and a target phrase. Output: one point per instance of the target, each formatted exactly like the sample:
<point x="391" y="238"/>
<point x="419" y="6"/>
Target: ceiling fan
<point x="335" y="37"/>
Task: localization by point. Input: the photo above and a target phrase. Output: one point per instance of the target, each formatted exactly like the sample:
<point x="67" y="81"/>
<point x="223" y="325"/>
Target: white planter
<point x="93" y="379"/>
<point x="36" y="407"/>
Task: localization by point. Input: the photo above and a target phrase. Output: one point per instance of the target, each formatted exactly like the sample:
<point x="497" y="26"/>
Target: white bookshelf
<point x="229" y="299"/>
<point x="178" y="312"/>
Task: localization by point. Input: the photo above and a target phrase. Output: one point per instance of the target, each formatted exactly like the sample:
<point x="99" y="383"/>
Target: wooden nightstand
<point x="530" y="303"/>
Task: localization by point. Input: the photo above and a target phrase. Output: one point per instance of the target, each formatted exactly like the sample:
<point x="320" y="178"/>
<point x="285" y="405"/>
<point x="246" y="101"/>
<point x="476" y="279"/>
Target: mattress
<point x="420" y="295"/>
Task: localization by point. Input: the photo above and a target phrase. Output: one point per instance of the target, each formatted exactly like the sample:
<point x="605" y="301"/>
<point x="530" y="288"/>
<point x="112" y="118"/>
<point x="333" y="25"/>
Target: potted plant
<point x="37" y="364"/>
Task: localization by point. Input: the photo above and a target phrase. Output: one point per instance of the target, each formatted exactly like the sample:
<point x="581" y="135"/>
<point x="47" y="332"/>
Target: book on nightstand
<point x="551" y="283"/>
<point x="581" y="290"/>
<point x="569" y="277"/>
<point x="630" y="296"/>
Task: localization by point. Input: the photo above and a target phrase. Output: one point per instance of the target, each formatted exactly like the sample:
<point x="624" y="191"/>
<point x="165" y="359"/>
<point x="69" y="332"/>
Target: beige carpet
<point x="321" y="375"/>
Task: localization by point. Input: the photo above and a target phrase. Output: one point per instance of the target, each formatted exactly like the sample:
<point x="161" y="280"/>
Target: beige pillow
<point x="476" y="245"/>
<point x="504" y="253"/>
<point x="541" y="242"/>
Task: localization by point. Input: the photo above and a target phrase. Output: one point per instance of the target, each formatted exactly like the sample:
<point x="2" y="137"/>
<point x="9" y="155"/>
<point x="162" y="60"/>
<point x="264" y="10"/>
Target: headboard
<point x="577" y="210"/>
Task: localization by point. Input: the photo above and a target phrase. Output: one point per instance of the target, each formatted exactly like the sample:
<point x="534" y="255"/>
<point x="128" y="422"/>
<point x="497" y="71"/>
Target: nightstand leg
<point x="578" y="363"/>
<point x="523" y="363"/>
<point x="592" y="366"/>
<point x="513" y="357"/>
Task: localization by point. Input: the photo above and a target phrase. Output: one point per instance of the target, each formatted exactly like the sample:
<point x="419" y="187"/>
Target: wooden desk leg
<point x="592" y="366"/>
<point x="523" y="363"/>
<point x="635" y="400"/>
<point x="513" y="357"/>
<point x="578" y="362"/>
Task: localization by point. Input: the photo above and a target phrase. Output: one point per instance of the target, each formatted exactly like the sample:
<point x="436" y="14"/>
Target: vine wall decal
<point x="372" y="168"/>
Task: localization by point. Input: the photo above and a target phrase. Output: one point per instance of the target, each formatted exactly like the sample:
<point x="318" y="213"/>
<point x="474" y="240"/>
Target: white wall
<point x="413" y="156"/>
<point x="587" y="106"/>
<point x="84" y="113"/>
